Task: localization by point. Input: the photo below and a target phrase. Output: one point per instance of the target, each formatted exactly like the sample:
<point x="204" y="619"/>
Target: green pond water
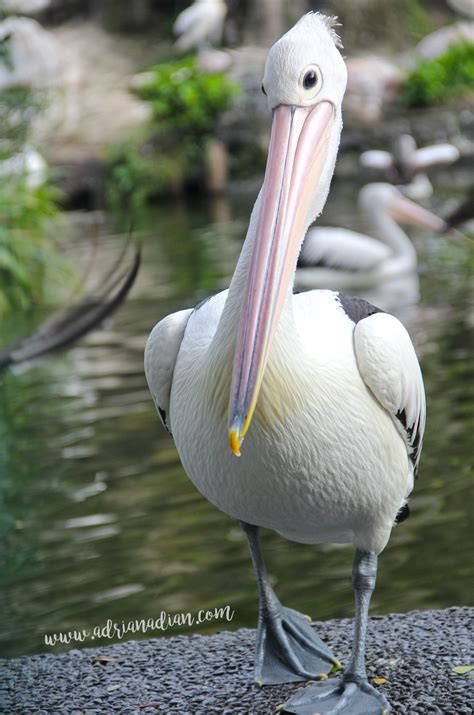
<point x="98" y="519"/>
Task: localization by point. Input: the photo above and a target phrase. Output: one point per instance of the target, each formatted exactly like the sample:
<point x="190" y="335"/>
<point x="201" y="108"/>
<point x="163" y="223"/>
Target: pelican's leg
<point x="288" y="650"/>
<point x="350" y="694"/>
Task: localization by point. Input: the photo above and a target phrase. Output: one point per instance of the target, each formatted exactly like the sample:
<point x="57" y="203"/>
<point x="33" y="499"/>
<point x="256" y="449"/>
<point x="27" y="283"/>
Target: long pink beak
<point x="296" y="159"/>
<point x="407" y="211"/>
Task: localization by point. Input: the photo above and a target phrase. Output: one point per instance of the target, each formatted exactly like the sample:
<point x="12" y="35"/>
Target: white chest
<point x="321" y="456"/>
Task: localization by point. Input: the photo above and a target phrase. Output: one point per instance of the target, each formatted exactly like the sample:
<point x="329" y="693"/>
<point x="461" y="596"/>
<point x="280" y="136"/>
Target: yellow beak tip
<point x="234" y="442"/>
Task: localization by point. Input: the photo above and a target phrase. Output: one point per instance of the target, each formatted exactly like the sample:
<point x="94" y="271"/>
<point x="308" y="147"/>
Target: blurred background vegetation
<point x="164" y="143"/>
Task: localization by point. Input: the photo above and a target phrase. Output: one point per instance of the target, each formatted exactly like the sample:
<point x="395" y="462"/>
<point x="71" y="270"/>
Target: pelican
<point x="25" y="7"/>
<point x="28" y="164"/>
<point x="299" y="413"/>
<point x="343" y="259"/>
<point x="463" y="7"/>
<point x="35" y="58"/>
<point x="408" y="165"/>
<point x="201" y="22"/>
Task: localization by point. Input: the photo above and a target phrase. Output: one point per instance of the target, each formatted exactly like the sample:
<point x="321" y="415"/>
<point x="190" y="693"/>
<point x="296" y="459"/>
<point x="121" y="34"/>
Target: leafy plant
<point x="181" y="97"/>
<point x="449" y="75"/>
<point x="170" y="151"/>
<point x="18" y="108"/>
<point x="29" y="261"/>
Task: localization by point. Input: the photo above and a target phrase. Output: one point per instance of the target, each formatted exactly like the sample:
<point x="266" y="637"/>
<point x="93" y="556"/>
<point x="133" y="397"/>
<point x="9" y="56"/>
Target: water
<point x="98" y="520"/>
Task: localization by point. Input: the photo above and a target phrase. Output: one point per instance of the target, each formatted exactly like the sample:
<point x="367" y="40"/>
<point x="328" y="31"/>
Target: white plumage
<point x="201" y="22"/>
<point x="463" y="7"/>
<point x="165" y="338"/>
<point x="25" y="7"/>
<point x="35" y="59"/>
<point x="28" y="164"/>
<point x="322" y="451"/>
<point x="342" y="249"/>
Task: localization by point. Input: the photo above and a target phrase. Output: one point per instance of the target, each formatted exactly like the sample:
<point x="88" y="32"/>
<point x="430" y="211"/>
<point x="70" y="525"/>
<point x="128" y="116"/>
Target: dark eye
<point x="310" y="79"/>
<point x="263" y="90"/>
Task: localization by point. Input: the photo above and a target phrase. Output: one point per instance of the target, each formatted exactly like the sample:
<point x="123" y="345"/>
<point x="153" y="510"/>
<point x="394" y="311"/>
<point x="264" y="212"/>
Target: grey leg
<point x="287" y="650"/>
<point x="350" y="694"/>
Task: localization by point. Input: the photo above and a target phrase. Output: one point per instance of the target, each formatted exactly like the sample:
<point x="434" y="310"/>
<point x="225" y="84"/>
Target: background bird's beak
<point x="296" y="159"/>
<point x="407" y="211"/>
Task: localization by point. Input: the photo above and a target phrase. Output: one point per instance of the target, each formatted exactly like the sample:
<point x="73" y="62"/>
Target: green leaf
<point x="463" y="669"/>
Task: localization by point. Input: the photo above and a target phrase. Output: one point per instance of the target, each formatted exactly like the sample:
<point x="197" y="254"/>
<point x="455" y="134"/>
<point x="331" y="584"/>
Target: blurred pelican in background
<point x="463" y="7"/>
<point x="201" y="22"/>
<point x="35" y="59"/>
<point x="27" y="163"/>
<point x="408" y="165"/>
<point x="381" y="267"/>
<point x="24" y="7"/>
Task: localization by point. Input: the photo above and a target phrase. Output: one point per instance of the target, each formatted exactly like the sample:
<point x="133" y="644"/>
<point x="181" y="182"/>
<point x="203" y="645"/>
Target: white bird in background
<point x="374" y="267"/>
<point x="201" y="22"/>
<point x="24" y="7"/>
<point x="35" y="59"/>
<point x="325" y="389"/>
<point x="28" y="164"/>
<point x="408" y="165"/>
<point x="463" y="7"/>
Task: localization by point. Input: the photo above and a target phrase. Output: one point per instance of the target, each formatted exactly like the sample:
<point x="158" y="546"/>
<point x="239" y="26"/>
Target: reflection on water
<point x="98" y="519"/>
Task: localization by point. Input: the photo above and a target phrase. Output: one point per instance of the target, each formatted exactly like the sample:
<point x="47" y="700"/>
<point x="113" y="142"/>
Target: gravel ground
<point x="200" y="675"/>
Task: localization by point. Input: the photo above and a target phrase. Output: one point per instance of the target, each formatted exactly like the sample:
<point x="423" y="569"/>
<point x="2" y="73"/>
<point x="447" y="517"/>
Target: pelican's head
<point x="381" y="198"/>
<point x="305" y="79"/>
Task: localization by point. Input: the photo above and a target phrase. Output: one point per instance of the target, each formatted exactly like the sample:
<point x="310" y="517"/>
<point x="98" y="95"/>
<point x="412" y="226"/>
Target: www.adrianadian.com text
<point x="114" y="630"/>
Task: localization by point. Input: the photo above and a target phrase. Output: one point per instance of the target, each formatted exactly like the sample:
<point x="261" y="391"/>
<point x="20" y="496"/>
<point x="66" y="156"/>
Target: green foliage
<point x="142" y="168"/>
<point x="417" y="19"/>
<point x="181" y="97"/>
<point x="5" y="57"/>
<point x="29" y="263"/>
<point x="18" y="108"/>
<point x="449" y="75"/>
<point x="170" y="152"/>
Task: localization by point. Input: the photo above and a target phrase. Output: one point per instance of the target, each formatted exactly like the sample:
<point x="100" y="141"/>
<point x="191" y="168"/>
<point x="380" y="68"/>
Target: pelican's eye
<point x="311" y="79"/>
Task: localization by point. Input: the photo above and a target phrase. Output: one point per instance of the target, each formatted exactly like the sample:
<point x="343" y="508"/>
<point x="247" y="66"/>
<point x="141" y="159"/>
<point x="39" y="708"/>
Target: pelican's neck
<point x="228" y="325"/>
<point x="387" y="230"/>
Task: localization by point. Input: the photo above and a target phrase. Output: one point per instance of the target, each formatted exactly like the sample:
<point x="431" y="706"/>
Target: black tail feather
<point x="75" y="321"/>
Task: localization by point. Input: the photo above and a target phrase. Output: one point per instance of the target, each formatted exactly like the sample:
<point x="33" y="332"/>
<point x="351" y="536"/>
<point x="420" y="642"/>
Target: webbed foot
<point x="338" y="696"/>
<point x="288" y="650"/>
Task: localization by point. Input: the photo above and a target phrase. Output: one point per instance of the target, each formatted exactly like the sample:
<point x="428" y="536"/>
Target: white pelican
<point x="463" y="7"/>
<point x="24" y="7"/>
<point x="201" y="22"/>
<point x="325" y="389"/>
<point x="27" y="163"/>
<point x="35" y="58"/>
<point x="408" y="165"/>
<point x="344" y="259"/>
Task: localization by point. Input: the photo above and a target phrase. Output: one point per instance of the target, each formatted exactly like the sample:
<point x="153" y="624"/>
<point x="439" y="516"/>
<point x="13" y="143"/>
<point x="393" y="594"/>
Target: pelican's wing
<point x="341" y="248"/>
<point x="388" y="365"/>
<point x="161" y="351"/>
